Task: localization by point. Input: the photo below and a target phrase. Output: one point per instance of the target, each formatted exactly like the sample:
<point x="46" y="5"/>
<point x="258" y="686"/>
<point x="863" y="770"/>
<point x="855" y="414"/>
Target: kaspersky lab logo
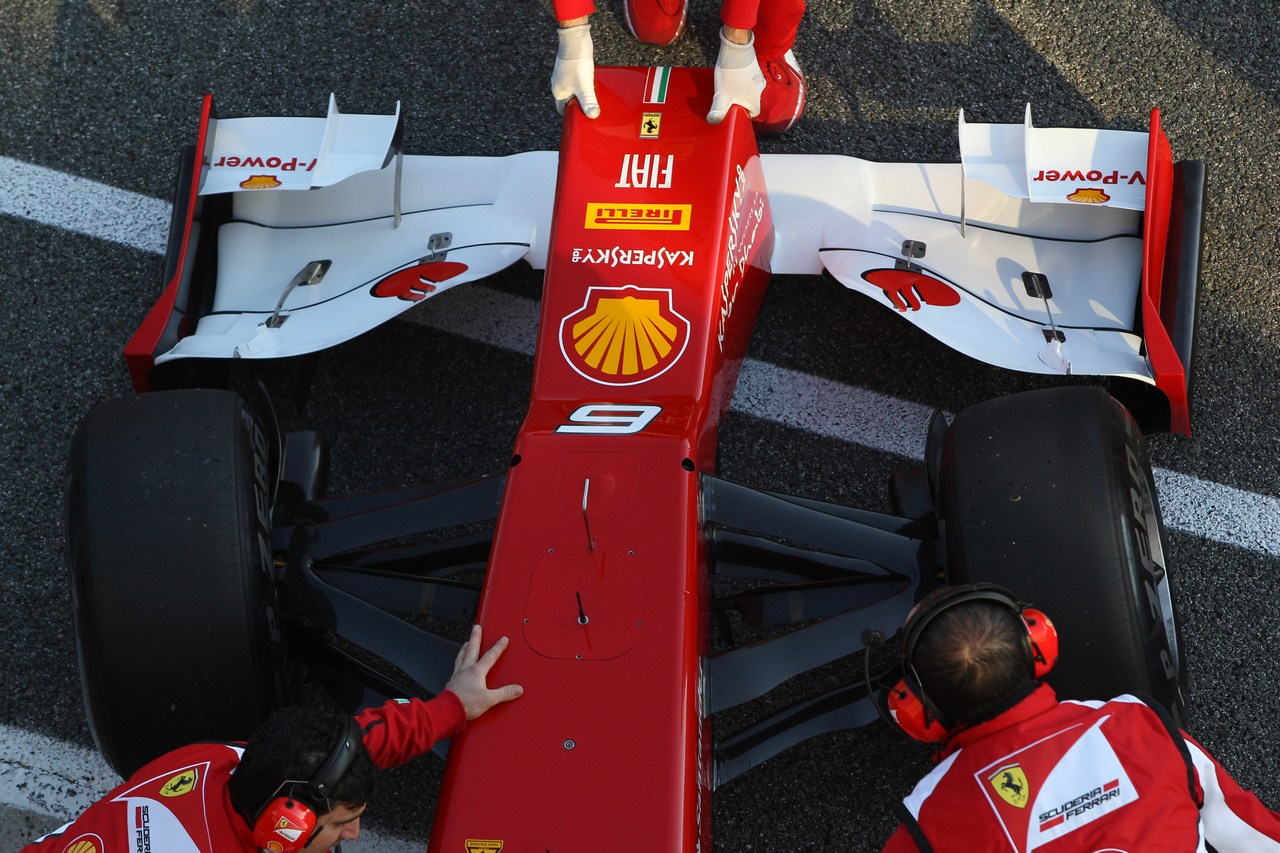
<point x="624" y="335"/>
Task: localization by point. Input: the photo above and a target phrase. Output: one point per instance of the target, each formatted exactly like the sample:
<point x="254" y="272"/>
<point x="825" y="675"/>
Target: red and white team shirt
<point x="1096" y="777"/>
<point x="179" y="802"/>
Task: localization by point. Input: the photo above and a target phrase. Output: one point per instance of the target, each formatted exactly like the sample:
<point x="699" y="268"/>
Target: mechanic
<point x="301" y="783"/>
<point x="1020" y="770"/>
<point x="755" y="69"/>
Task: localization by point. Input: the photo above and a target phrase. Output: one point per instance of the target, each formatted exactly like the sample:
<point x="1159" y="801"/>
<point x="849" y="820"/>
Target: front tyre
<point x="168" y="530"/>
<point x="1050" y="494"/>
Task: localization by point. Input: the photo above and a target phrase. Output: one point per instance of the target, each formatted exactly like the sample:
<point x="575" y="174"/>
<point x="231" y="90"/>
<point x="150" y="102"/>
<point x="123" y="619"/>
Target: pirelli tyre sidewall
<point x="1050" y="493"/>
<point x="168" y="549"/>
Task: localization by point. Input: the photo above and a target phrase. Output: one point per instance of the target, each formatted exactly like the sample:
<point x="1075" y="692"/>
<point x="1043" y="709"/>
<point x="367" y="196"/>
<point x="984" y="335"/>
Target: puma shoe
<point x="782" y="100"/>
<point x="655" y="21"/>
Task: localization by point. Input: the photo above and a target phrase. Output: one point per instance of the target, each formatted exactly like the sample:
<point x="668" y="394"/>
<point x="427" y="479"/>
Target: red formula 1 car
<point x="609" y="550"/>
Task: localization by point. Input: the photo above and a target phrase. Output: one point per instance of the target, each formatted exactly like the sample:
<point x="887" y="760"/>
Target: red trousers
<point x="774" y="22"/>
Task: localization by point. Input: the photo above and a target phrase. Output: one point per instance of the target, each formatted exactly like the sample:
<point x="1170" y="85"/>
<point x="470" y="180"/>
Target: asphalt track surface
<point x="108" y="91"/>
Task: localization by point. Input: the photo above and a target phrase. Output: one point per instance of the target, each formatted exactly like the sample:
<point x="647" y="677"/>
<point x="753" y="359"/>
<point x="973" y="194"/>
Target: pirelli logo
<point x="615" y="217"/>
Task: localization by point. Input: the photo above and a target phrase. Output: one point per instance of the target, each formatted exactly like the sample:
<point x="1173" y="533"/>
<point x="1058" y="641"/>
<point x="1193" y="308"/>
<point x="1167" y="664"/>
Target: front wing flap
<point x="377" y="270"/>
<point x="1052" y="288"/>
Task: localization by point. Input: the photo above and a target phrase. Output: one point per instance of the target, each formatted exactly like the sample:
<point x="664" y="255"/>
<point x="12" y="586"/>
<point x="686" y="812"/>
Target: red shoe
<point x="655" y="21"/>
<point x="782" y="100"/>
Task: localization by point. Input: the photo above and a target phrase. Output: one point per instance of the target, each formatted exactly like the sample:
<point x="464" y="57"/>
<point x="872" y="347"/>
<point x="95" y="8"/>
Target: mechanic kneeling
<point x="1020" y="770"/>
<point x="301" y="783"/>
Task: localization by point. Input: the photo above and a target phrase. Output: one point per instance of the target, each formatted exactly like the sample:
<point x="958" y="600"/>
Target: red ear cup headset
<point x="910" y="706"/>
<point x="287" y="823"/>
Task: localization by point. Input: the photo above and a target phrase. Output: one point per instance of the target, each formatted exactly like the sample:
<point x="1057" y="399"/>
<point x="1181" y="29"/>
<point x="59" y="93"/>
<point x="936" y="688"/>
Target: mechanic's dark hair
<point x="292" y="745"/>
<point x="972" y="660"/>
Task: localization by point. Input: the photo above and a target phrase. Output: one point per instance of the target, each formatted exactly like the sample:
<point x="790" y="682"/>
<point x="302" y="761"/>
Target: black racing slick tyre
<point x="1050" y="494"/>
<point x="168" y="547"/>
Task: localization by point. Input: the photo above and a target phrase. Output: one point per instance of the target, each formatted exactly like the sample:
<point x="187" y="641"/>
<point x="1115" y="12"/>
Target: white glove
<point x="738" y="79"/>
<point x="574" y="74"/>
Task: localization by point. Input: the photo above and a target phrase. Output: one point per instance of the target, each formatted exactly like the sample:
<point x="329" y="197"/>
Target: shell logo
<point x="260" y="182"/>
<point x="1089" y="195"/>
<point x="623" y="335"/>
<point x="85" y="844"/>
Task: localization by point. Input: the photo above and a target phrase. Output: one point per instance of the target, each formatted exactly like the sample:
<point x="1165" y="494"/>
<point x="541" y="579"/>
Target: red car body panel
<point x="1157" y="313"/>
<point x="163" y="319"/>
<point x="636" y="360"/>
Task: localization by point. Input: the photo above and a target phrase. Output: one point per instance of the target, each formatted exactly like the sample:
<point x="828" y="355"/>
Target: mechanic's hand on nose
<point x="574" y="74"/>
<point x="469" y="681"/>
<point x="738" y="77"/>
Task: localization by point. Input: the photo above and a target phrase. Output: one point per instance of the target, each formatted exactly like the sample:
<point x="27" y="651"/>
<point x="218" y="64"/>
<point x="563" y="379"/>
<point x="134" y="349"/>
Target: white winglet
<point x="296" y="153"/>
<point x="1063" y="165"/>
<point x="995" y="154"/>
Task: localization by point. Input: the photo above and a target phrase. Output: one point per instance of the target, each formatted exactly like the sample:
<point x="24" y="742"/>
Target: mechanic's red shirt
<point x="179" y="802"/>
<point x="1080" y="776"/>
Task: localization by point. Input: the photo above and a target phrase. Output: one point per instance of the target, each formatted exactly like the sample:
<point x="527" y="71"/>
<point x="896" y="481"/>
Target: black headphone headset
<point x="910" y="705"/>
<point x="287" y="822"/>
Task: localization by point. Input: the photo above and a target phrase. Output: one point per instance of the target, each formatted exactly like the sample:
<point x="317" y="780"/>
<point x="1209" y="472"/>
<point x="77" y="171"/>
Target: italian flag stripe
<point x="655" y="85"/>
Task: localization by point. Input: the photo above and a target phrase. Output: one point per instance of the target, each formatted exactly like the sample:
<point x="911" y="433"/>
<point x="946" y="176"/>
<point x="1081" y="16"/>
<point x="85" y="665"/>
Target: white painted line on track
<point x="83" y="206"/>
<point x="832" y="409"/>
<point x="1221" y="513"/>
<point x="30" y="780"/>
<point x="843" y="412"/>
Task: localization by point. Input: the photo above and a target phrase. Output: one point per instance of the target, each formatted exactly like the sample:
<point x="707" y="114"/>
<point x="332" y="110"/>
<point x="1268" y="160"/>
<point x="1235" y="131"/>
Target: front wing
<point x="1085" y="289"/>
